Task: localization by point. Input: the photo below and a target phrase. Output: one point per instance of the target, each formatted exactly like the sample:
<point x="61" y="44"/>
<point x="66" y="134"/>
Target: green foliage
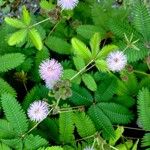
<point x="6" y="130"/>
<point x="4" y="147"/>
<point x="80" y="96"/>
<point x="101" y="121"/>
<point x="86" y="129"/>
<point x="146" y="140"/>
<point x="106" y="89"/>
<point x="69" y="73"/>
<point x="87" y="31"/>
<point x="94" y="44"/>
<point x="66" y="127"/>
<point x="17" y="37"/>
<point x="36" y="38"/>
<point x="6" y="88"/>
<point x="10" y="61"/>
<point x="141" y="18"/>
<point x="89" y="82"/>
<point x="116" y="113"/>
<point x="58" y="45"/>
<point x="79" y="63"/>
<point x="14" y="114"/>
<point x="81" y="49"/>
<point x="143" y="108"/>
<point x="15" y="22"/>
<point x="13" y="143"/>
<point x="34" y="142"/>
<point x="51" y="148"/>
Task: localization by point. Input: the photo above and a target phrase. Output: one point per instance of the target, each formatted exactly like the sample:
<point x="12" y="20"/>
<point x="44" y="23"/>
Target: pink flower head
<point x="116" y="61"/>
<point x="38" y="111"/>
<point x="50" y="70"/>
<point x="67" y="4"/>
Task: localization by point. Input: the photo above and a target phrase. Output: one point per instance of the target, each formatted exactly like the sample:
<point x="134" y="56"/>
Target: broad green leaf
<point x="15" y="22"/>
<point x="79" y="63"/>
<point x="118" y="134"/>
<point x="69" y="73"/>
<point x="36" y="38"/>
<point x="95" y="44"/>
<point x="17" y="37"/>
<point x="123" y="146"/>
<point x="101" y="65"/>
<point x="58" y="45"/>
<point x="87" y="31"/>
<point x="26" y="16"/>
<point x="46" y="5"/>
<point x="89" y="82"/>
<point x="81" y="49"/>
<point x="106" y="50"/>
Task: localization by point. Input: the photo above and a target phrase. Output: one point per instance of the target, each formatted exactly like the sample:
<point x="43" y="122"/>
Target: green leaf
<point x="123" y="146"/>
<point x="17" y="37"/>
<point x="10" y="61"/>
<point x="80" y="49"/>
<point x="14" y="114"/>
<point x="69" y="73"/>
<point x="143" y="108"/>
<point x="106" y="50"/>
<point x="146" y="140"/>
<point x="106" y="89"/>
<point x="36" y="38"/>
<point x="89" y="82"/>
<point x="87" y="31"/>
<point x="101" y="121"/>
<point x="16" y="144"/>
<point x="34" y="142"/>
<point x="81" y="96"/>
<point x="101" y="65"/>
<point x="117" y="114"/>
<point x="135" y="146"/>
<point x="66" y="127"/>
<point x="141" y="18"/>
<point x="6" y="88"/>
<point x="4" y="147"/>
<point x="48" y="6"/>
<point x="58" y="45"/>
<point x="85" y="126"/>
<point x="79" y="63"/>
<point x="26" y="16"/>
<point x="95" y="44"/>
<point x="118" y="133"/>
<point x="15" y="23"/>
<point x="6" y="130"/>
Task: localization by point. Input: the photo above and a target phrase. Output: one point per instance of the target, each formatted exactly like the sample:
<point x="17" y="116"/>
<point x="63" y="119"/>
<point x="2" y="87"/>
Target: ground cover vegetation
<point x="75" y="75"/>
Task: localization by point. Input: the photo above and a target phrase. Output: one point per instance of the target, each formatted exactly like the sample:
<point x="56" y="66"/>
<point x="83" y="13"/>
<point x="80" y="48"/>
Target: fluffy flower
<point x="67" y="4"/>
<point x="116" y="61"/>
<point x="88" y="148"/>
<point x="38" y="111"/>
<point x="50" y="70"/>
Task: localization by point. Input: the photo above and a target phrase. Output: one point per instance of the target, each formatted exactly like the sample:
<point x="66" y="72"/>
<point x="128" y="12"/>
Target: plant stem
<point x="140" y="72"/>
<point x="39" y="23"/>
<point x="54" y="28"/>
<point x="81" y="70"/>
